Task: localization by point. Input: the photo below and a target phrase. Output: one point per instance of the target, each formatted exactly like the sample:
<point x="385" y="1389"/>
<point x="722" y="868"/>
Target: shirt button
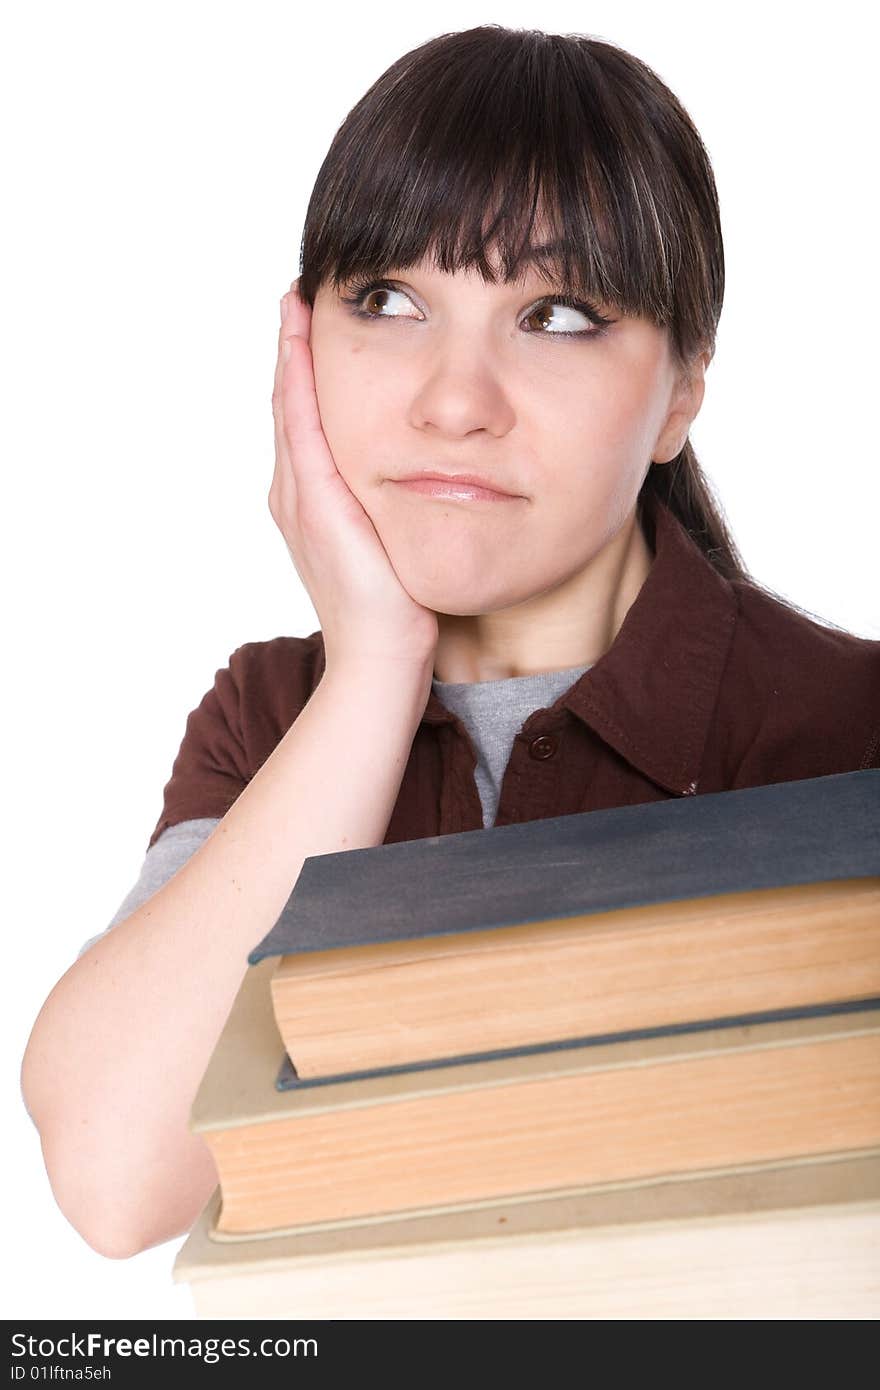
<point x="543" y="747"/>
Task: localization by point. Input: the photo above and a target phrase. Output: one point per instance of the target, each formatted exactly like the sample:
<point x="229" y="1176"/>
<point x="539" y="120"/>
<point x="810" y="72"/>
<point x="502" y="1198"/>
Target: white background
<point x="157" y="163"/>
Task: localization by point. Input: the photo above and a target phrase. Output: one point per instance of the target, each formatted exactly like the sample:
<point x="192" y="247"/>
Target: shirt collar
<point x="651" y="696"/>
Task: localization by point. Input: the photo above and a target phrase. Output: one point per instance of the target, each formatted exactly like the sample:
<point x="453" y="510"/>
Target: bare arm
<point x="120" y="1046"/>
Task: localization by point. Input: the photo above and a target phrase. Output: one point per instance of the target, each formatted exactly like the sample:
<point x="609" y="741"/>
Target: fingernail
<point x="284" y="304"/>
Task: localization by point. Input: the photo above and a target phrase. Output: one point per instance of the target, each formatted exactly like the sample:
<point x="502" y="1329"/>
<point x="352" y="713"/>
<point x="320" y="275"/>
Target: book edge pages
<point x="663" y="912"/>
<point x="238" y="1086"/>
<point x="830" y="1182"/>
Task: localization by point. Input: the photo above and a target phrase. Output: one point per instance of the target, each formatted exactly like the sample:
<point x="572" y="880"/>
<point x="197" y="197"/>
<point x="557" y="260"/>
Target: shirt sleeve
<point x="211" y="769"/>
<point x="172" y="849"/>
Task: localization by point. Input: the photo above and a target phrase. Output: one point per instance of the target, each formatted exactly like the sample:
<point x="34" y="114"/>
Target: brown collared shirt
<point x="709" y="685"/>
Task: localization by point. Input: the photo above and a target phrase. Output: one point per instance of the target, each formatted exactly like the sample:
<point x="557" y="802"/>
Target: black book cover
<point x="785" y="833"/>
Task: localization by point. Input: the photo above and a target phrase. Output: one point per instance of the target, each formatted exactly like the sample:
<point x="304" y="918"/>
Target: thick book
<point x="796" y="1240"/>
<point x="535" y="1121"/>
<point x="706" y="907"/>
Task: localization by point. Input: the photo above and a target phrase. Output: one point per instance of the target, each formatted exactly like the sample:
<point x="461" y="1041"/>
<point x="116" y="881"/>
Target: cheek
<point x="355" y="404"/>
<point x="593" y="441"/>
<point x="589" y="460"/>
<point x="613" y="404"/>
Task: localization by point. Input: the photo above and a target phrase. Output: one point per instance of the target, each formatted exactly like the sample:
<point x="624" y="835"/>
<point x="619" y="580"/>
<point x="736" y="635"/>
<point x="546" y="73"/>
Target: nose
<point x="461" y="391"/>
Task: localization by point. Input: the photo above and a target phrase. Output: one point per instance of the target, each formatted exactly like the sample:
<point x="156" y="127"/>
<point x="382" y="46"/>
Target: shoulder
<point x="804" y="683"/>
<point x="279" y="671"/>
<point x="778" y="639"/>
<point x="239" y="721"/>
<point x="268" y="683"/>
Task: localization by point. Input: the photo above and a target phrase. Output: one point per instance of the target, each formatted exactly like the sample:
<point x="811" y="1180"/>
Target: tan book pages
<point x="209" y="1252"/>
<point x="731" y="1106"/>
<point x="399" y="1002"/>
<point x="531" y="1123"/>
<point x="238" y="1086"/>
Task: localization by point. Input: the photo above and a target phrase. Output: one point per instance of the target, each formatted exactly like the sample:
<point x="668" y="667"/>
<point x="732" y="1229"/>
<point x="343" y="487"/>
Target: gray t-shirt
<point x="493" y="712"/>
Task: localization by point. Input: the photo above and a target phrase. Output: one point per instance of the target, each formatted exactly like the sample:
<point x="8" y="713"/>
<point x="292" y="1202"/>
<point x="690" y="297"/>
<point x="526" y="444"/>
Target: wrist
<point x="400" y="681"/>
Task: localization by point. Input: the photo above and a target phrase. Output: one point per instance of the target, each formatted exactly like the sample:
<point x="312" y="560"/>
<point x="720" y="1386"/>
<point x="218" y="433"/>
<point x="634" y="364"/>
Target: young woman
<point x="511" y="278"/>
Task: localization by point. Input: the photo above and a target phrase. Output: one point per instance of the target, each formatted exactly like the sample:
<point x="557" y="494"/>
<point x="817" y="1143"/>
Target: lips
<point x="466" y="486"/>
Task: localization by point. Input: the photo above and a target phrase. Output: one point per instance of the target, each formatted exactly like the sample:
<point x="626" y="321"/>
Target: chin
<point x="445" y="590"/>
<point x="463" y="573"/>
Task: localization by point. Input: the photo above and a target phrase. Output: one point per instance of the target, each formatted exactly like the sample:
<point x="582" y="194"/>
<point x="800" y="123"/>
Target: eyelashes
<point x="360" y="289"/>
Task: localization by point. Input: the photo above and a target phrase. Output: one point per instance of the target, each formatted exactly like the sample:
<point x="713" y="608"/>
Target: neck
<point x="572" y="624"/>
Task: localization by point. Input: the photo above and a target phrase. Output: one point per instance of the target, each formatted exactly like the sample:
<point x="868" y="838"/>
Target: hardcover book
<point x="528" y="1122"/>
<point x="708" y="907"/>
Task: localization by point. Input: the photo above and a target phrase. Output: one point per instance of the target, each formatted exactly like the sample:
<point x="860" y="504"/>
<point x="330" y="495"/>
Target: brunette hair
<point x="458" y="143"/>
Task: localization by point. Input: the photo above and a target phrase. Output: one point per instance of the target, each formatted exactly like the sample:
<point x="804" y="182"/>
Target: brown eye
<point x="561" y="319"/>
<point x="369" y="301"/>
<point x="375" y="301"/>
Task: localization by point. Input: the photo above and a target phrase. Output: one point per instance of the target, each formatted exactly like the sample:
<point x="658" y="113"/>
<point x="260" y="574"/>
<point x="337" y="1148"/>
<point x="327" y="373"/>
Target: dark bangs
<point x="507" y="141"/>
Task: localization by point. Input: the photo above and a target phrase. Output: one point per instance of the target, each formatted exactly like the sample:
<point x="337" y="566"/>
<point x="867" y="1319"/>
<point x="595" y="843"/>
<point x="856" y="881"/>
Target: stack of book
<point x="623" y="1063"/>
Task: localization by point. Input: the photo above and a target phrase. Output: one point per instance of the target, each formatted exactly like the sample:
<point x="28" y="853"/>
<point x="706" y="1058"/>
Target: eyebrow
<point x="549" y="259"/>
<point x="550" y="248"/>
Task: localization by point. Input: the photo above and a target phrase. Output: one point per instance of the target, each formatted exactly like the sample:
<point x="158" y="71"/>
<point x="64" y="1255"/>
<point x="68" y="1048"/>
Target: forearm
<point x="121" y="1043"/>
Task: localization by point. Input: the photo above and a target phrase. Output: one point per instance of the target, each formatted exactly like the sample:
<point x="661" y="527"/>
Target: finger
<point x="303" y="458"/>
<point x="284" y="477"/>
<point x="309" y="452"/>
<point x="276" y="381"/>
<point x="282" y="493"/>
<point x="299" y="316"/>
<point x="295" y="322"/>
